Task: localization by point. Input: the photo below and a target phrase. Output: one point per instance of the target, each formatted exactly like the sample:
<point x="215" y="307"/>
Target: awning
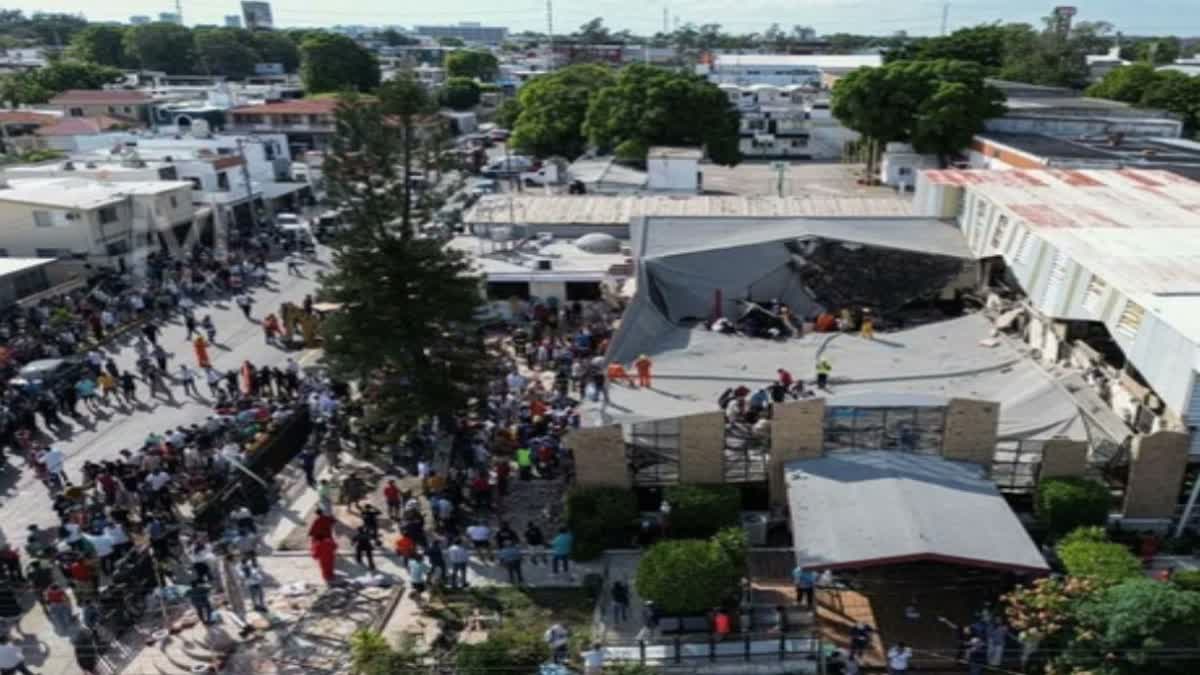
<point x="874" y="508"/>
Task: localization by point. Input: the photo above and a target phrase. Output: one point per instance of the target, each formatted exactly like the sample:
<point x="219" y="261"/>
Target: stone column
<point x="702" y="448"/>
<point x="1156" y="467"/>
<point x="970" y="434"/>
<point x="600" y="456"/>
<point x="1063" y="457"/>
<point x="797" y="432"/>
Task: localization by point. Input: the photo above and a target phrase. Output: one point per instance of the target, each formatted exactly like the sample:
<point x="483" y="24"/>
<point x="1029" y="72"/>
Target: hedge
<point x="1188" y="580"/>
<point x="1064" y="504"/>
<point x="1086" y="552"/>
<point x="688" y="576"/>
<point x="600" y="518"/>
<point x="700" y="511"/>
<point x="509" y="651"/>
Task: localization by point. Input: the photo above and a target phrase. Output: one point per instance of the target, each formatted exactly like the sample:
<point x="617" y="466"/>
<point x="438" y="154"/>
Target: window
<point x="222" y="181"/>
<point x="1094" y="294"/>
<point x="503" y="290"/>
<point x="75" y="112"/>
<point x="43" y="219"/>
<point x="981" y="210"/>
<point x="906" y="429"/>
<point x="1024" y="248"/>
<point x="999" y="232"/>
<point x="195" y="183"/>
<point x="168" y="173"/>
<point x="905" y="171"/>
<point x="224" y="151"/>
<point x="1131" y="319"/>
<point x="108" y="215"/>
<point x="3" y="253"/>
<point x="174" y="203"/>
<point x="582" y="290"/>
<point x="127" y="109"/>
<point x="112" y="109"/>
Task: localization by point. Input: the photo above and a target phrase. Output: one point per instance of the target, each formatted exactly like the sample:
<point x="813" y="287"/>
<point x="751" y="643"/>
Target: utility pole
<point x="179" y="11"/>
<point x="550" y="29"/>
<point x="666" y="17"/>
<point x="945" y="16"/>
<point x="249" y="185"/>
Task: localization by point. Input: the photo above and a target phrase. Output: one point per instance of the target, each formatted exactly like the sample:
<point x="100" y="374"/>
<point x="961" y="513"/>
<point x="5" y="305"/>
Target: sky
<point x="917" y="17"/>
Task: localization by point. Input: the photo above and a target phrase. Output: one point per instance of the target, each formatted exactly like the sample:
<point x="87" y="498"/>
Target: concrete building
<point x="139" y="20"/>
<point x="133" y="106"/>
<point x="90" y="221"/>
<point x="21" y="278"/>
<point x="467" y="31"/>
<point x="308" y="124"/>
<point x="257" y="15"/>
<point x="233" y="21"/>
<point x="169" y="17"/>
<point x="674" y="169"/>
<point x="995" y="150"/>
<point x="817" y="71"/>
<point x="1064" y="113"/>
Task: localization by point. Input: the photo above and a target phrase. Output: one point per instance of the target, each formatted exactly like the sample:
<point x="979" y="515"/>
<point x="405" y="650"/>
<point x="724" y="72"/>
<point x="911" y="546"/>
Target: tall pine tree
<point x="407" y="325"/>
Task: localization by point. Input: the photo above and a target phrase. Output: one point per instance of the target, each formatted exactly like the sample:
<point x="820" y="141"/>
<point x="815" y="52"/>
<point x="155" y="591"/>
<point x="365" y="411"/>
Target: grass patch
<point x="527" y="611"/>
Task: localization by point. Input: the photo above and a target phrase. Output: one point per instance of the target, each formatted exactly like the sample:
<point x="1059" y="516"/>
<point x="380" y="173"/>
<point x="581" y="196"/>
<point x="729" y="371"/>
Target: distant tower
<point x="666" y="17"/>
<point x="179" y="11"/>
<point x="1062" y="20"/>
<point x="257" y="15"/>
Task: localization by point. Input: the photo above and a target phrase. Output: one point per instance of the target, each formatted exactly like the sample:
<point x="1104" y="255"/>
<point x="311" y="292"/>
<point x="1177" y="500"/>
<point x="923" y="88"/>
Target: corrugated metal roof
<point x="870" y="508"/>
<point x="535" y="210"/>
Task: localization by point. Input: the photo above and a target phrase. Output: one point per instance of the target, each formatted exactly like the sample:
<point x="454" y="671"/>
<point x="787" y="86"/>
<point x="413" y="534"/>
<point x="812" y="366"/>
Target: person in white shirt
<point x="898" y="658"/>
<point x="104" y="550"/>
<point x="54" y="459"/>
<point x="12" y="659"/>
<point x="593" y="660"/>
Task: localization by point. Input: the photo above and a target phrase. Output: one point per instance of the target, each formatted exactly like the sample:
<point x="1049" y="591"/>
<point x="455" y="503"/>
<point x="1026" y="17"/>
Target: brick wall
<point x="600" y="456"/>
<point x="701" y="448"/>
<point x="797" y="432"/>
<point x="1156" y="468"/>
<point x="970" y="434"/>
<point x="1063" y="457"/>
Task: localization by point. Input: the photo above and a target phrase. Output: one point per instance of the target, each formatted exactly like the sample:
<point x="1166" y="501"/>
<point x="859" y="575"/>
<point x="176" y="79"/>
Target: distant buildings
<point x="169" y="17"/>
<point x="139" y="20"/>
<point x="810" y="70"/>
<point x="467" y="32"/>
<point x="233" y="21"/>
<point x="257" y="15"/>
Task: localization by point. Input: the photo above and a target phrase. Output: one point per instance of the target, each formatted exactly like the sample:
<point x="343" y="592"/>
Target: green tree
<point x="406" y="327"/>
<point x="224" y="51"/>
<point x="372" y="654"/>
<point x="460" y="93"/>
<point x="1155" y="51"/>
<point x="451" y="41"/>
<point x="553" y="108"/>
<point x="641" y="109"/>
<point x="101" y="44"/>
<point x="38" y="86"/>
<point x="331" y="62"/>
<point x="594" y="32"/>
<point x="935" y="105"/>
<point x="473" y="64"/>
<point x="408" y="104"/>
<point x="1177" y="93"/>
<point x="1049" y="58"/>
<point x="1137" y="626"/>
<point x="161" y="46"/>
<point x="1087" y="552"/>
<point x="394" y="38"/>
<point x="20" y="88"/>
<point x="600" y="518"/>
<point x="276" y="47"/>
<point x="510" y="650"/>
<point x="699" y="511"/>
<point x="508" y="112"/>
<point x="1127" y="83"/>
<point x="688" y="576"/>
<point x="1064" y="504"/>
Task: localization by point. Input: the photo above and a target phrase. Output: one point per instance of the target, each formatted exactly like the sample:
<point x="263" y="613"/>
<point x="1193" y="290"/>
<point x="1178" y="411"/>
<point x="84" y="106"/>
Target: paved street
<point x="26" y="501"/>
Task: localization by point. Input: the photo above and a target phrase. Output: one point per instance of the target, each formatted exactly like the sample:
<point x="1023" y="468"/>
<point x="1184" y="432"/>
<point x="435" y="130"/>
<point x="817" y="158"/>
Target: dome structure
<point x="598" y="242"/>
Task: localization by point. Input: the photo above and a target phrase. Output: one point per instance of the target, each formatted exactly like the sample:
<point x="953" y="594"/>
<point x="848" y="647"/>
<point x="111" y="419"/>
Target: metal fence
<point x="745" y="647"/>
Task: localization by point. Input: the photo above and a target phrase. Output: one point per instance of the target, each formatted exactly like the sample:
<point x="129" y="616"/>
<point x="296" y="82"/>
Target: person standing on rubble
<point x="824" y="368"/>
<point x="642" y="365"/>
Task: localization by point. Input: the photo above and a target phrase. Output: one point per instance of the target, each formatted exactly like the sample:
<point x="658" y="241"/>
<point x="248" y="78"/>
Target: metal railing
<point x="746" y="647"/>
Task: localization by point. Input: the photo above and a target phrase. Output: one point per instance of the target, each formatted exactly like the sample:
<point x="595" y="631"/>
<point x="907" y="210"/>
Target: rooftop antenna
<point x="666" y="16"/>
<point x="945" y="16"/>
<point x="550" y="29"/>
<point x="179" y="11"/>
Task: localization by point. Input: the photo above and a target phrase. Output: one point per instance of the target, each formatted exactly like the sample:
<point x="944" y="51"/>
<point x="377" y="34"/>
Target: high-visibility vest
<point x="524" y="457"/>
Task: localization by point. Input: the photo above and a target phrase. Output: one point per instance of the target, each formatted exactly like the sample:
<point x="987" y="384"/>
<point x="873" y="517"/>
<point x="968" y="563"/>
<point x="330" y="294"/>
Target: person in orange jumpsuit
<point x="325" y="551"/>
<point x="642" y="365"/>
<point x="247" y="378"/>
<point x="617" y="372"/>
<point x="201" y="346"/>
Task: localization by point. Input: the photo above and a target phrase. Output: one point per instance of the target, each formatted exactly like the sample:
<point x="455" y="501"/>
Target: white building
<point x="90" y="220"/>
<point x="814" y="70"/>
<point x="1090" y="248"/>
<point x="674" y="169"/>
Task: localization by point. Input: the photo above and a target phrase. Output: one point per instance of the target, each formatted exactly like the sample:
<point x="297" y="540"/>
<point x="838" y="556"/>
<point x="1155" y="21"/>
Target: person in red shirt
<point x="721" y="624"/>
<point x="406" y="548"/>
<point x="322" y="527"/>
<point x="785" y="378"/>
<point x="82" y="575"/>
<point x="503" y="469"/>
<point x="391" y="495"/>
<point x="481" y="490"/>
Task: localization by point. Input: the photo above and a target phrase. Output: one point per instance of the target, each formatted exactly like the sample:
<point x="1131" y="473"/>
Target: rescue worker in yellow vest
<point x="824" y="368"/>
<point x="525" y="463"/>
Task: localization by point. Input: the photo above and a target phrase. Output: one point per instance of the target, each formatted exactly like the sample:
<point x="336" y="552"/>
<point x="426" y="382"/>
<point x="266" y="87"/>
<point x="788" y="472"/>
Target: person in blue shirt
<point x="805" y="581"/>
<point x="560" y="548"/>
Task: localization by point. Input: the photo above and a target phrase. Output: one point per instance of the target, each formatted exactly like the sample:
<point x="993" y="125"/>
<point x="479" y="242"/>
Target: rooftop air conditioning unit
<point x="543" y="265"/>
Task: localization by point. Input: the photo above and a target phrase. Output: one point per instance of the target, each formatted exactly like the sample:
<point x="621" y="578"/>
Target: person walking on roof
<point x="642" y="365"/>
<point x="824" y="368"/>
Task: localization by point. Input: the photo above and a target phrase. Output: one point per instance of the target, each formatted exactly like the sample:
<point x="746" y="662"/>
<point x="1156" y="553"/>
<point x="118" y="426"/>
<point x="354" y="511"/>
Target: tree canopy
<point x="331" y="62"/>
<point x="226" y="51"/>
<point x="460" y="93"/>
<point x="101" y="44"/>
<point x="38" y="86"/>
<point x="168" y="47"/>
<point x="553" y="108"/>
<point x="276" y="47"/>
<point x="472" y="64"/>
<point x="937" y="106"/>
<point x="1141" y="84"/>
<point x="642" y="108"/>
<point x="407" y="326"/>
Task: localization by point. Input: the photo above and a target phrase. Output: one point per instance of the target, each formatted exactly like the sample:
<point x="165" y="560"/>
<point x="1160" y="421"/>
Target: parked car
<point x="47" y="375"/>
<point x="508" y="166"/>
<point x="499" y="135"/>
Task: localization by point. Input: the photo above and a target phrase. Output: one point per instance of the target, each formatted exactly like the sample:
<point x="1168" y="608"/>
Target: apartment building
<point x="307" y="124"/>
<point x="134" y="106"/>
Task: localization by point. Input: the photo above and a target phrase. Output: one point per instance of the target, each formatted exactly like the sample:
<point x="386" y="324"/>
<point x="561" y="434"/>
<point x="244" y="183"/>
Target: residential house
<point x="88" y="220"/>
<point x="307" y="123"/>
<point x="18" y="127"/>
<point x="121" y="103"/>
<point x="84" y="134"/>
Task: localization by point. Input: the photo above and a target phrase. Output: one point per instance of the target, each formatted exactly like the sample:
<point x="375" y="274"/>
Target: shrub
<point x="687" y="576"/>
<point x="700" y="511"/>
<point x="600" y="518"/>
<point x="1188" y="580"/>
<point x="1087" y="553"/>
<point x="510" y="651"/>
<point x="1064" y="504"/>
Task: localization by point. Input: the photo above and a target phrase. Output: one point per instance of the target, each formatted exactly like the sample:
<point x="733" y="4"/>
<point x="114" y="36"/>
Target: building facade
<point x="470" y="32"/>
